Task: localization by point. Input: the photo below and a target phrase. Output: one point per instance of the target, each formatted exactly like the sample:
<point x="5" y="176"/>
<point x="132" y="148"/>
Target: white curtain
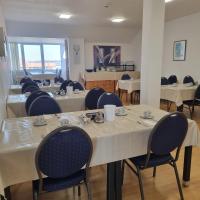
<point x="15" y="63"/>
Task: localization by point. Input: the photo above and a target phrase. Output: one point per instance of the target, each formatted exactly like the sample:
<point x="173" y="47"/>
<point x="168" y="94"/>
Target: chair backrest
<point x="164" y="81"/>
<point x="172" y="79"/>
<point x="168" y="134"/>
<point x="125" y="77"/>
<point x="197" y="93"/>
<point x="31" y="89"/>
<point x="92" y="98"/>
<point x="108" y="98"/>
<point x="25" y="85"/>
<point x="188" y="79"/>
<point x="58" y="80"/>
<point x="43" y="105"/>
<point x="76" y="85"/>
<point x="63" y="152"/>
<point x="25" y="80"/>
<point x="65" y="84"/>
<point x="32" y="97"/>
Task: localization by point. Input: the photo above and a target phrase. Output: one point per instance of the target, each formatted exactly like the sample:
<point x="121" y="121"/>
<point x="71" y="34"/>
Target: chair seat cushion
<point x="51" y="184"/>
<point x="155" y="160"/>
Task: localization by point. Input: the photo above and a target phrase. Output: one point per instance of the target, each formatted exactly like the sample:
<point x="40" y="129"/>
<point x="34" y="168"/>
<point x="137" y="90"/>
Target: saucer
<point x="37" y="123"/>
<point x="121" y="113"/>
<point x="147" y="117"/>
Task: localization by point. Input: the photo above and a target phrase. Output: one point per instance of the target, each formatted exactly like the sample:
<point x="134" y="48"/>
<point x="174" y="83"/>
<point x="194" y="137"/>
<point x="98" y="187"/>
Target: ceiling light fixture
<point x="65" y="16"/>
<point x="117" y="19"/>
<point x="167" y="1"/>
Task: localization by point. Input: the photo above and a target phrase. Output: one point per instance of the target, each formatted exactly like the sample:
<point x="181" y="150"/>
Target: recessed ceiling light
<point x="117" y="19"/>
<point x="65" y="16"/>
<point x="167" y="1"/>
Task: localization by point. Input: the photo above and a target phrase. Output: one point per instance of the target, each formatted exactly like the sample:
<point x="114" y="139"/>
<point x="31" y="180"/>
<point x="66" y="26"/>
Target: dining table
<point x="178" y="93"/>
<point x="125" y="137"/>
<point x="68" y="103"/>
<point x="128" y="85"/>
<point x="17" y="89"/>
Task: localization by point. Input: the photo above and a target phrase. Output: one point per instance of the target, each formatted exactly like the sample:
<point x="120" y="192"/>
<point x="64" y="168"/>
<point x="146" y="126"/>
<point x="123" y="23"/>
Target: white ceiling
<point x="90" y="12"/>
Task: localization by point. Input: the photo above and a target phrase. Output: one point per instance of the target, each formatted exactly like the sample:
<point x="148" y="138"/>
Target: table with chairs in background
<point x="59" y="135"/>
<point x="125" y="137"/>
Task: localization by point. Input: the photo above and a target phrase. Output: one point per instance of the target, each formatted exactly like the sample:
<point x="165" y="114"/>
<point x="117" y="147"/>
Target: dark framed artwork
<point x="179" y="50"/>
<point x="107" y="55"/>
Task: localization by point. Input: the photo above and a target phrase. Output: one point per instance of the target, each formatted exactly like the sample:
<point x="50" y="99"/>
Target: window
<point x="38" y="57"/>
<point x="32" y="57"/>
<point x="52" y="57"/>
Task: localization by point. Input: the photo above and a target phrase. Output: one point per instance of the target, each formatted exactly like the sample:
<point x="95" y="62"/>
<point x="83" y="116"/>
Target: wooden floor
<point x="162" y="187"/>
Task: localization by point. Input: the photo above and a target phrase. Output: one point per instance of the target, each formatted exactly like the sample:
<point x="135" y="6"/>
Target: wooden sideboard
<point x="107" y="85"/>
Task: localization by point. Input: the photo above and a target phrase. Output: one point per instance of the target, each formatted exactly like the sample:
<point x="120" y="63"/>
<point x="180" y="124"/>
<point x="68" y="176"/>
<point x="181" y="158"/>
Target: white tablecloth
<point x="178" y="94"/>
<point x="74" y="102"/>
<point x="129" y="85"/>
<point x="16" y="89"/>
<point x="106" y="75"/>
<point x="112" y="141"/>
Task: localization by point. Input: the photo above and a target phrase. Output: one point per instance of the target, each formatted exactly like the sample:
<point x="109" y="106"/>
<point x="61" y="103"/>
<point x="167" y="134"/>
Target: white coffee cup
<point x="69" y="90"/>
<point x="109" y="112"/>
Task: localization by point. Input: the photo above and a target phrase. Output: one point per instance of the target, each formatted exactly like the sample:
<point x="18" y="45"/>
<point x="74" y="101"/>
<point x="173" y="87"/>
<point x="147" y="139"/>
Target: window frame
<point x="43" y="67"/>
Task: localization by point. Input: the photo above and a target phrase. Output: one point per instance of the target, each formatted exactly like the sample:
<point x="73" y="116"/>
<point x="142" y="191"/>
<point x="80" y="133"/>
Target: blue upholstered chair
<point x="108" y="98"/>
<point x="58" y="80"/>
<point x="125" y="77"/>
<point x="167" y="135"/>
<point x="43" y="105"/>
<point x="190" y="104"/>
<point x="31" y="89"/>
<point x="25" y="85"/>
<point x="172" y="79"/>
<point x="32" y="97"/>
<point x="65" y="84"/>
<point x="92" y="98"/>
<point x="25" y="80"/>
<point x="76" y="85"/>
<point x="164" y="81"/>
<point x="188" y="79"/>
<point x="63" y="157"/>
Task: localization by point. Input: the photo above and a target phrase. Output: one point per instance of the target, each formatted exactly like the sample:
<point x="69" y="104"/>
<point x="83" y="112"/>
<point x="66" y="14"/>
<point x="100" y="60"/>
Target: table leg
<point x="180" y="108"/>
<point x="114" y="191"/>
<point x="118" y="180"/>
<point x="187" y="166"/>
<point x="7" y="194"/>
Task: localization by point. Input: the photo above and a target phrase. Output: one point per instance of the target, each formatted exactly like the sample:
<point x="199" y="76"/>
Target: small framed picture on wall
<point x="179" y="52"/>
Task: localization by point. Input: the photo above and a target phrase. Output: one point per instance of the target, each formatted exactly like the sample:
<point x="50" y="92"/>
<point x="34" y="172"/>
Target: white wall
<point x="4" y="78"/>
<point x="76" y="69"/>
<point x="137" y="50"/>
<point x="186" y="28"/>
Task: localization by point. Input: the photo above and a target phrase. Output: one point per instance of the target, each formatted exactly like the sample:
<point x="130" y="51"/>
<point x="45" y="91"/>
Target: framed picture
<point x="107" y="55"/>
<point x="179" y="53"/>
